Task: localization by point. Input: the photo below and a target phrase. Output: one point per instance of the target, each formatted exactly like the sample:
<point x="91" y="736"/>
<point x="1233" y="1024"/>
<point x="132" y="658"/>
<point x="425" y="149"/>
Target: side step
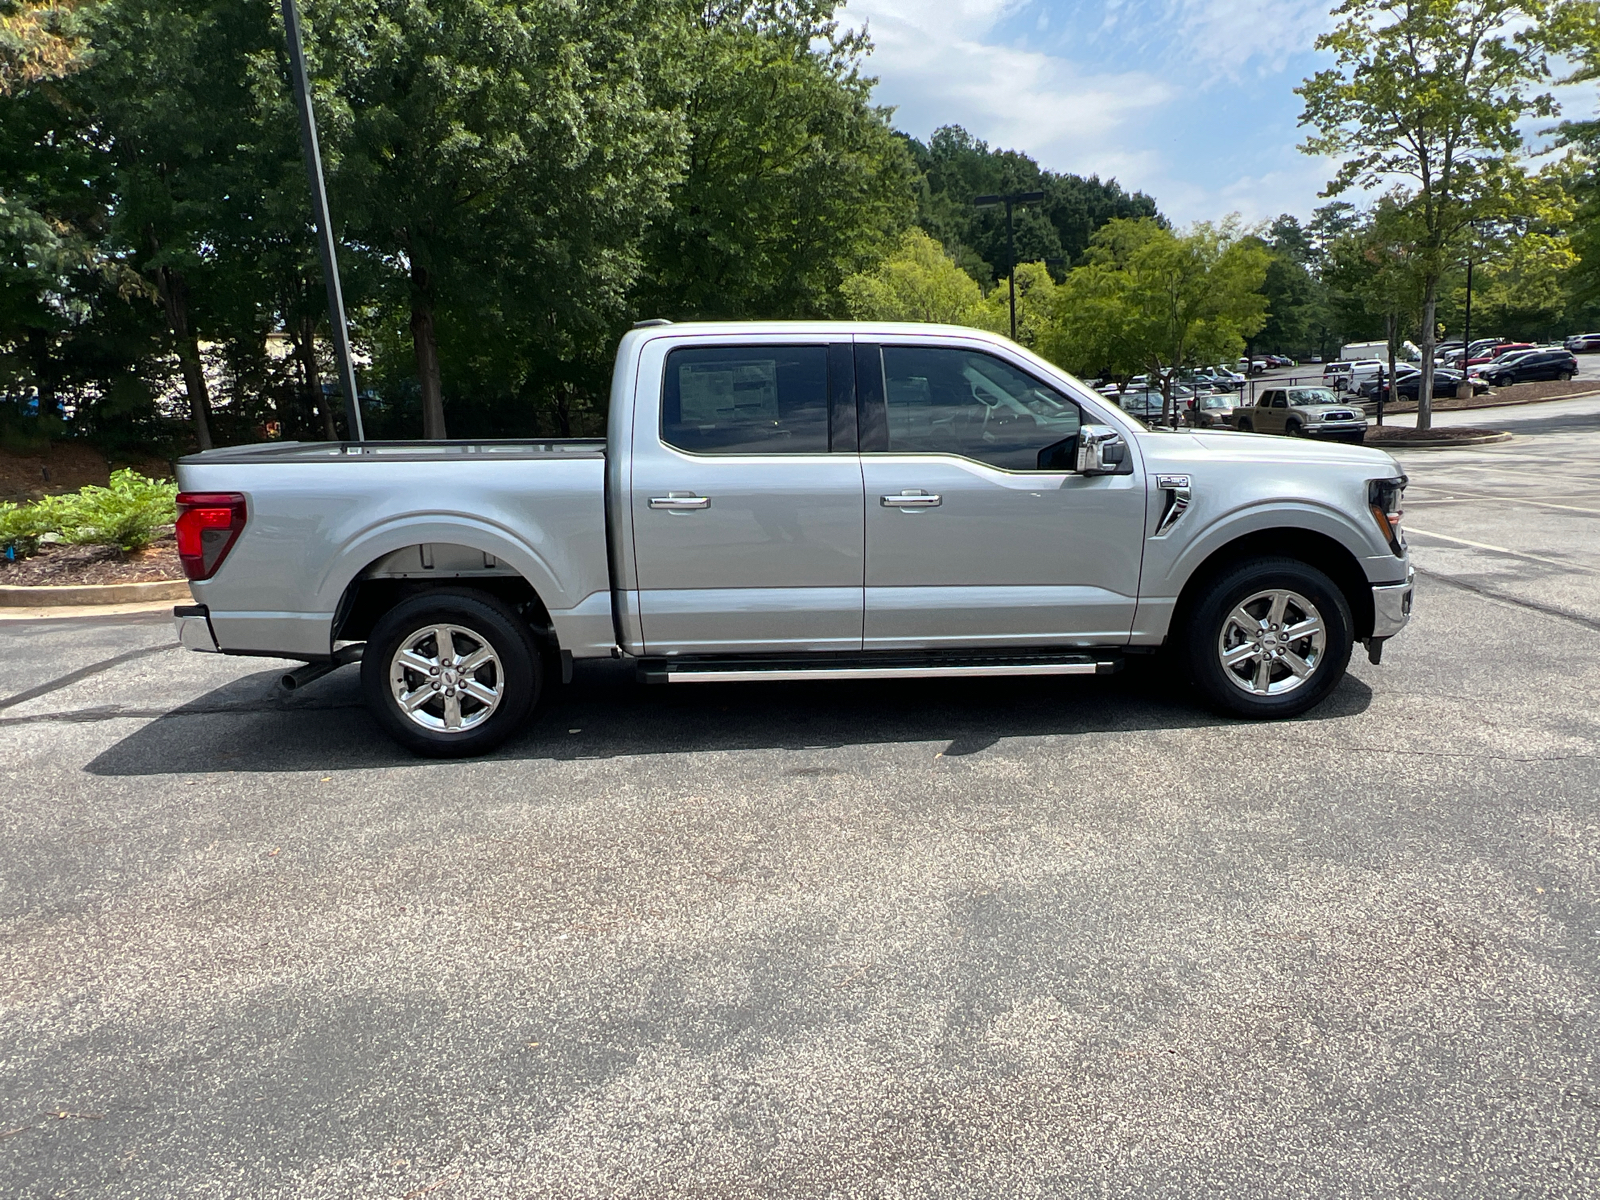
<point x="869" y="666"/>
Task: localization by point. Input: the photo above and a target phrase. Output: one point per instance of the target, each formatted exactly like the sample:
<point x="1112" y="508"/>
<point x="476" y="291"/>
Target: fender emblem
<point x="1171" y="483"/>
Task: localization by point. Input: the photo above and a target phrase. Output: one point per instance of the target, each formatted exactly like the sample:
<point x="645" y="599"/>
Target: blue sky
<point x="1190" y="100"/>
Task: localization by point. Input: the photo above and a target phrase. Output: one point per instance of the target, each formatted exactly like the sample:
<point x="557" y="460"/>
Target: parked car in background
<point x="1332" y="371"/>
<point x="1303" y="412"/>
<point x="1583" y="343"/>
<point x="1496" y="352"/>
<point x="1408" y="382"/>
<point x="1530" y="367"/>
<point x="1146" y="404"/>
<point x="1214" y="411"/>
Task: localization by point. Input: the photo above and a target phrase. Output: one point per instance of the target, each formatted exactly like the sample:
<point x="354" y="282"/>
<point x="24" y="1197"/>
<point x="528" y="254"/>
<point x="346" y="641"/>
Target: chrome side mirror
<point x="1101" y="451"/>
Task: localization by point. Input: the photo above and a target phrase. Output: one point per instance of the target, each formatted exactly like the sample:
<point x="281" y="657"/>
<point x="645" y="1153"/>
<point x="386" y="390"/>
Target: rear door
<point x="746" y="496"/>
<point x="977" y="533"/>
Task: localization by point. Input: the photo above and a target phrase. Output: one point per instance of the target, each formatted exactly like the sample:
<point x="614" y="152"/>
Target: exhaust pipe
<point x="300" y="676"/>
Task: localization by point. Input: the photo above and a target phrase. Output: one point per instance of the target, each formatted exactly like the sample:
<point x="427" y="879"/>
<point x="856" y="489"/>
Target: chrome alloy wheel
<point x="446" y="678"/>
<point x="1272" y="642"/>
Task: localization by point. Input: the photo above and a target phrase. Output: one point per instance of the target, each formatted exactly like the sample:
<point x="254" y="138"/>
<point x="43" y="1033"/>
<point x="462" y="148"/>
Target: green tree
<point x="793" y="178"/>
<point x="1036" y="305"/>
<point x="1152" y="300"/>
<point x="1431" y="93"/>
<point x="956" y="167"/>
<point x="501" y="158"/>
<point x="916" y="282"/>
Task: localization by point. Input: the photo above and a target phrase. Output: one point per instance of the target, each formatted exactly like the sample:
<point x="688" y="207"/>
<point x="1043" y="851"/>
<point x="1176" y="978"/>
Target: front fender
<point x="1169" y="568"/>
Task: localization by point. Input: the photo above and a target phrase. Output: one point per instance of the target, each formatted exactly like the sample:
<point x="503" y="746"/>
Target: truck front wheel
<point x="450" y="673"/>
<point x="1269" y="638"/>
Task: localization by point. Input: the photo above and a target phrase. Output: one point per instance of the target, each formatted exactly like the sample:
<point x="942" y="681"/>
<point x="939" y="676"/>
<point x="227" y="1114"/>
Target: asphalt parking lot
<point x="952" y="939"/>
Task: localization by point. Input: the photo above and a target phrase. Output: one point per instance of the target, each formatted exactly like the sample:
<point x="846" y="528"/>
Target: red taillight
<point x="209" y="523"/>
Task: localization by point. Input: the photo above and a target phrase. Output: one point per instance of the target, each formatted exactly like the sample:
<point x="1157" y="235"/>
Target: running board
<point x="898" y="666"/>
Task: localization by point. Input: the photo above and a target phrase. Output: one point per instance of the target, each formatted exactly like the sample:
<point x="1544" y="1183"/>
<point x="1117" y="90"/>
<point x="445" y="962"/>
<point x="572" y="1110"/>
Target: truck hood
<point x="1221" y="446"/>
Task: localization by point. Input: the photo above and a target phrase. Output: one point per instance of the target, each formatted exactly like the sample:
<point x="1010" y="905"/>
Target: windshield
<point x="1299" y="396"/>
<point x="1214" y="401"/>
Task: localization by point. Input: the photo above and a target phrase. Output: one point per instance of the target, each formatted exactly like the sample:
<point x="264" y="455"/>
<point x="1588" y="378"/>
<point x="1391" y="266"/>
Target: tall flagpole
<point x="319" y="212"/>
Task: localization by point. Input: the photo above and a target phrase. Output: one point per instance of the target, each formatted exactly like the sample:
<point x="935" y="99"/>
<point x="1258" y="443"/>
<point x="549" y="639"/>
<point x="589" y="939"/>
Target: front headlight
<point x="1384" y="500"/>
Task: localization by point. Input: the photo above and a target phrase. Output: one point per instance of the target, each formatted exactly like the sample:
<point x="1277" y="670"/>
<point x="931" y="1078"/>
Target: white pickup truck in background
<point x="798" y="501"/>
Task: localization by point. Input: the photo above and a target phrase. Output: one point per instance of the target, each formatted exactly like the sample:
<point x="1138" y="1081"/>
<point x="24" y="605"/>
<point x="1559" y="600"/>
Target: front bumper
<point x="1391" y="607"/>
<point x="1343" y="431"/>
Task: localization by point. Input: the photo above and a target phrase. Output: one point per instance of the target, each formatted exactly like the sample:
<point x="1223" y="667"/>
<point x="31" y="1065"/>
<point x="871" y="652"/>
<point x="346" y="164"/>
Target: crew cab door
<point x="1271" y="410"/>
<point x="977" y="533"/>
<point x="746" y="497"/>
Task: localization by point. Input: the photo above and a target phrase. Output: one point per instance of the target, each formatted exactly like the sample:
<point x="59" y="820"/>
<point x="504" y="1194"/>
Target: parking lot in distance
<point x="1008" y="938"/>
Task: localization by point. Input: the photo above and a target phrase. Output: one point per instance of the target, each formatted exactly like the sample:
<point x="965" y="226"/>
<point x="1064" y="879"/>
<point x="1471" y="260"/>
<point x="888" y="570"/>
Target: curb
<point x="93" y="594"/>
<point x="1439" y="444"/>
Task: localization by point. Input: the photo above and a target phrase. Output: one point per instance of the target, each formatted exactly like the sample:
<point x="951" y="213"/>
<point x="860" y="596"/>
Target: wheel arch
<point x="1327" y="554"/>
<point x="400" y="573"/>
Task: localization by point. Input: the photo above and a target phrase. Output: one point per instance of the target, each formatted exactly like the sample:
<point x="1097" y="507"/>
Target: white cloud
<point x="1115" y="92"/>
<point x="936" y="69"/>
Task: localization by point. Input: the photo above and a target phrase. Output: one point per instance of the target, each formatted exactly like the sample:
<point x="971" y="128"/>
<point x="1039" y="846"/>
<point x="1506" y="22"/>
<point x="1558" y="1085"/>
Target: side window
<point x="1265" y="400"/>
<point x="1279" y="400"/>
<point x="963" y="402"/>
<point x="746" y="400"/>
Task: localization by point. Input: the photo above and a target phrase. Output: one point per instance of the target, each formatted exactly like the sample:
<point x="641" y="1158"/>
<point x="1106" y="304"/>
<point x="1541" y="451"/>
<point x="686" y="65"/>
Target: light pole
<point x="319" y="213"/>
<point x="1010" y="200"/>
<point x="1466" y="319"/>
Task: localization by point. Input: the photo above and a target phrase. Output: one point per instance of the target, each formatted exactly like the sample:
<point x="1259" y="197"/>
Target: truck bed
<point x="444" y="451"/>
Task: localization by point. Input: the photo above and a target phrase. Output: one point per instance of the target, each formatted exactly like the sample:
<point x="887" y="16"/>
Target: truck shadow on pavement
<point x="253" y="725"/>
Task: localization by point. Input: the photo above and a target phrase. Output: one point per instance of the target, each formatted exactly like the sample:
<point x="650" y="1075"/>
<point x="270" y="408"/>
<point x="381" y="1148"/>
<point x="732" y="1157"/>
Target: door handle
<point x="911" y="499"/>
<point x="680" y="503"/>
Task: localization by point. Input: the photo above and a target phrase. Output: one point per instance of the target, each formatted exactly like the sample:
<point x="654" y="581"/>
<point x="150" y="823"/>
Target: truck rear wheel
<point x="1269" y="638"/>
<point x="451" y="673"/>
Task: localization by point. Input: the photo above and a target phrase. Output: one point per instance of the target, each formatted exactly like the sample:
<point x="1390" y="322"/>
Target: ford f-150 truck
<point x="779" y="501"/>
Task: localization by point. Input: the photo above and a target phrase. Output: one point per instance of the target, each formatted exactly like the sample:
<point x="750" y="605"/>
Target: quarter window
<point x="746" y="400"/>
<point x="962" y="402"/>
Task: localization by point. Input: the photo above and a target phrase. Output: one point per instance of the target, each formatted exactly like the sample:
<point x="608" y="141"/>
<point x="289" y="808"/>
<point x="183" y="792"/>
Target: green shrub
<point x="21" y="527"/>
<point x="126" y="514"/>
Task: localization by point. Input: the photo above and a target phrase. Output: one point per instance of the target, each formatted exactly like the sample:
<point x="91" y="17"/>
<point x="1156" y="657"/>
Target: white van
<point x="1362" y="370"/>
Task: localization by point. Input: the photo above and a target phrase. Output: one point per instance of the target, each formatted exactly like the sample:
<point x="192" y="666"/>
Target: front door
<point x="978" y="534"/>
<point x="746" y="497"/>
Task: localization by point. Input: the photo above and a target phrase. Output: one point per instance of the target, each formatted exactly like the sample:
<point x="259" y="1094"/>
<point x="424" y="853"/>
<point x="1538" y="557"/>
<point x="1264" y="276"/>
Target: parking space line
<point x="1554" y="562"/>
<point x="72" y="677"/>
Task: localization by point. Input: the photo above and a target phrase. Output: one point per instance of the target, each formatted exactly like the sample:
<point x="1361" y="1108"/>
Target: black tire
<point x="1246" y="427"/>
<point x="1294" y="429"/>
<point x="1210" y="622"/>
<point x="514" y="675"/>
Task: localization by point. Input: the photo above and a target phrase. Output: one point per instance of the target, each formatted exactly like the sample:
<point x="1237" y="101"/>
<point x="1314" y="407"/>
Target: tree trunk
<point x="175" y="299"/>
<point x="564" y="409"/>
<point x="306" y="351"/>
<point x="426" y="343"/>
<point x="1430" y="302"/>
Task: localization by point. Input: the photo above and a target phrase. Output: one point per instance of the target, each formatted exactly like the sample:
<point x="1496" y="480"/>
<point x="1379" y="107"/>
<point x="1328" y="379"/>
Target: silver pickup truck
<point x="798" y="501"/>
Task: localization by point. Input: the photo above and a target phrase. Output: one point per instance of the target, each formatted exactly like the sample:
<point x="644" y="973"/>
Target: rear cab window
<point x="746" y="400"/>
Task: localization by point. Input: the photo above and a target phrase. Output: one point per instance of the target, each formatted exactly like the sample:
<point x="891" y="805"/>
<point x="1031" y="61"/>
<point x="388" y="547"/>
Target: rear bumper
<point x="1391" y="606"/>
<point x="194" y="628"/>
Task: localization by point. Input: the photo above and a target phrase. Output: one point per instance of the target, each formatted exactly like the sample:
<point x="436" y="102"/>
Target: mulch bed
<point x="1399" y="435"/>
<point x="66" y="566"/>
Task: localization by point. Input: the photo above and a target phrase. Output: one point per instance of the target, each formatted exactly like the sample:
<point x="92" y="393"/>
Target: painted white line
<point x="1445" y="537"/>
